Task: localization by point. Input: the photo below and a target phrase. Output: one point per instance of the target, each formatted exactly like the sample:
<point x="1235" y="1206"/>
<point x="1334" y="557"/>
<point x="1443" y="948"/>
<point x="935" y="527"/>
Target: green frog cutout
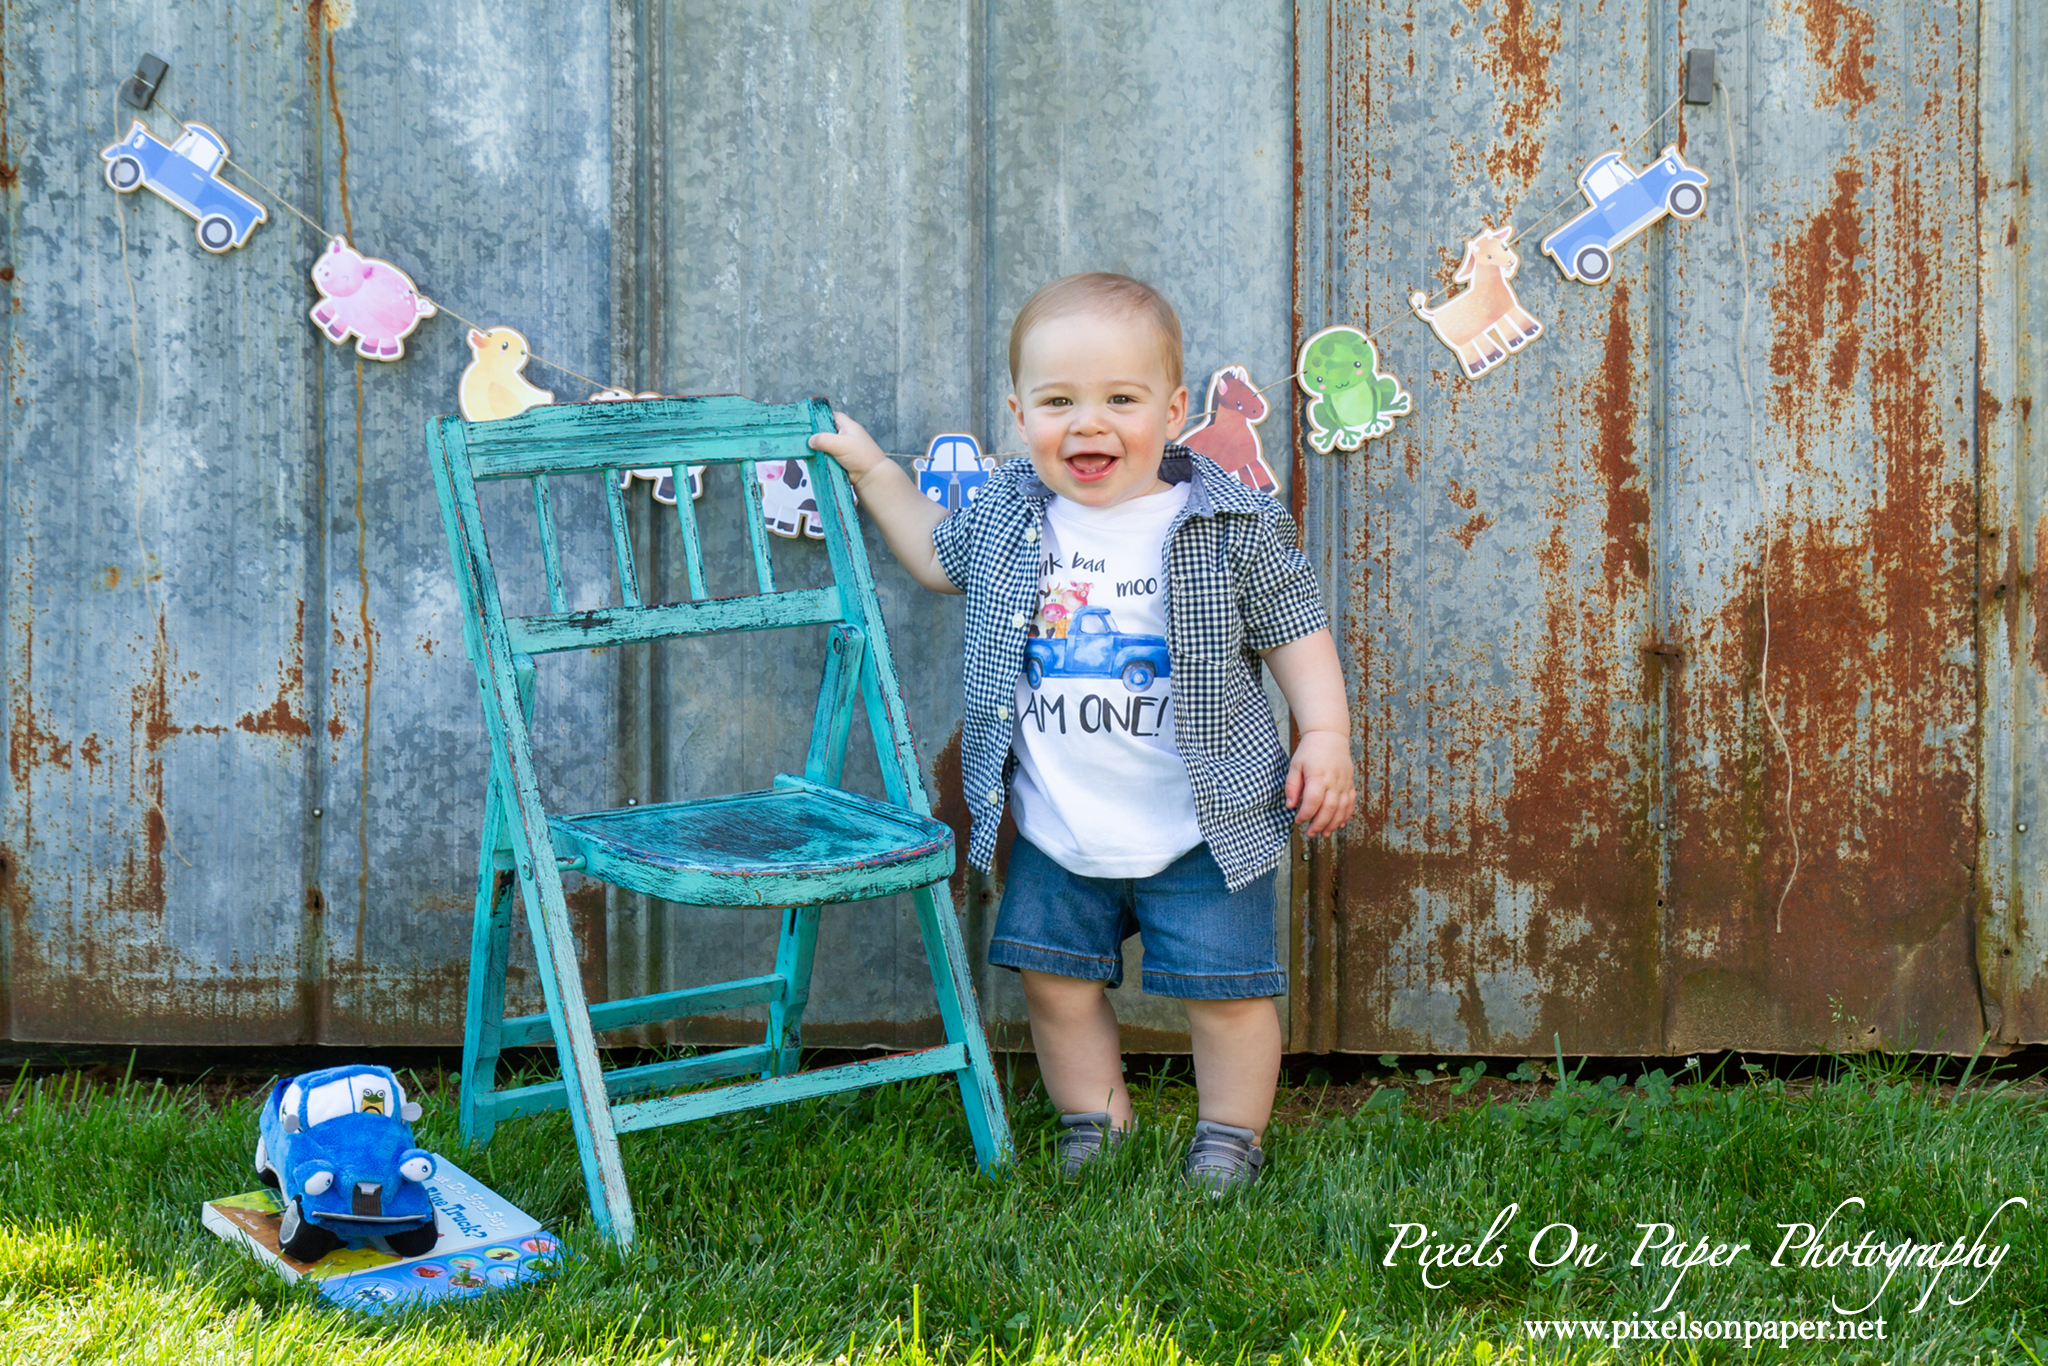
<point x="1351" y="400"/>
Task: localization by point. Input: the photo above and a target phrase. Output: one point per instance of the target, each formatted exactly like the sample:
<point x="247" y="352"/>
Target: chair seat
<point x="795" y="844"/>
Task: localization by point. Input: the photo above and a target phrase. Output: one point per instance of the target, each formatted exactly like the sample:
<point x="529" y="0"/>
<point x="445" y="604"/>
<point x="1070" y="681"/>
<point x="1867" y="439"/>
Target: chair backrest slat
<point x="622" y="539"/>
<point x="550" y="553"/>
<point x="686" y="522"/>
<point x="540" y="635"/>
<point x="603" y="440"/>
<point x="757" y="530"/>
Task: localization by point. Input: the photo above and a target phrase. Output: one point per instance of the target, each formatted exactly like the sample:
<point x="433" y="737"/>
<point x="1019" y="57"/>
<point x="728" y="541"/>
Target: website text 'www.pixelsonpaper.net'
<point x="1682" y="1327"/>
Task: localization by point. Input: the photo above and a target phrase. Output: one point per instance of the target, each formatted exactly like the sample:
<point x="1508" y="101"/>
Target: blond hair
<point x="1099" y="291"/>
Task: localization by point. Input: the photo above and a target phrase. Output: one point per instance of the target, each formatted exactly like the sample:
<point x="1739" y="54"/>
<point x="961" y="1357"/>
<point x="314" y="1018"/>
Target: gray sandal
<point x="1084" y="1138"/>
<point x="1223" y="1157"/>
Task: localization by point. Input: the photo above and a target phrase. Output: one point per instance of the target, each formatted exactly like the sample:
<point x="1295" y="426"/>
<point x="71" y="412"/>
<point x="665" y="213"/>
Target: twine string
<point x="316" y="226"/>
<point x="1756" y="476"/>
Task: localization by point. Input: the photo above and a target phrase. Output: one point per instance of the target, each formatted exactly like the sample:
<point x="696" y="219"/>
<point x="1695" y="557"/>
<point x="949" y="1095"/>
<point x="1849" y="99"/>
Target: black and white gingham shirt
<point x="1236" y="584"/>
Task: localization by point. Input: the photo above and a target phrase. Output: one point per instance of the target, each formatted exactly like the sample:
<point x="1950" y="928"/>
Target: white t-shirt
<point x="1100" y="786"/>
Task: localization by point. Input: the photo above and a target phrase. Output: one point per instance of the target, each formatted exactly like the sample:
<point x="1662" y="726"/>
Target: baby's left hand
<point x="1320" y="785"/>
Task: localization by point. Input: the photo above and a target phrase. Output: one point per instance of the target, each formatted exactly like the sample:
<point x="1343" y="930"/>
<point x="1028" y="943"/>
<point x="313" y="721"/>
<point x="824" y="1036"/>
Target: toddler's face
<point x="1096" y="407"/>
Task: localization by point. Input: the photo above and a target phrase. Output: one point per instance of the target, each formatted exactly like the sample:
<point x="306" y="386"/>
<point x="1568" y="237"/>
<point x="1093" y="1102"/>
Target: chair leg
<point x="590" y="1111"/>
<point x="786" y="1011"/>
<point x="980" y="1093"/>
<point x="489" y="945"/>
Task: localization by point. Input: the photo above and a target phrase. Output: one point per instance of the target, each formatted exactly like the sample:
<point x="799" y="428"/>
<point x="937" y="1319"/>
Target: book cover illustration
<point x="485" y="1243"/>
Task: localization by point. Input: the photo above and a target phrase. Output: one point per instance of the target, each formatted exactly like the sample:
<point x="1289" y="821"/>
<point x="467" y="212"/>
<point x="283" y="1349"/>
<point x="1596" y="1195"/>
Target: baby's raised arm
<point x="888" y="495"/>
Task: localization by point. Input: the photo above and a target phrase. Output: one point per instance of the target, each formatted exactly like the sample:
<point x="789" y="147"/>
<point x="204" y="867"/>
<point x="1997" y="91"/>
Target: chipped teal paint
<point x="802" y="844"/>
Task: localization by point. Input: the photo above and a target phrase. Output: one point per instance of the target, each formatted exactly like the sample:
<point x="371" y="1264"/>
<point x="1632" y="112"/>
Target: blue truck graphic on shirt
<point x="1094" y="648"/>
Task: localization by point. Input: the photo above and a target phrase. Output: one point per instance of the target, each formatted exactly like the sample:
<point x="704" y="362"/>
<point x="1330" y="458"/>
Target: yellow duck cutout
<point x="492" y="386"/>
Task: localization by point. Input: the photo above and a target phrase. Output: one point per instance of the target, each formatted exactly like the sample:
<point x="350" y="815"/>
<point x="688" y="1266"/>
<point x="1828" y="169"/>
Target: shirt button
<point x="995" y="794"/>
<point x="1031" y="534"/>
<point x="1002" y="713"/>
<point x="1019" y="620"/>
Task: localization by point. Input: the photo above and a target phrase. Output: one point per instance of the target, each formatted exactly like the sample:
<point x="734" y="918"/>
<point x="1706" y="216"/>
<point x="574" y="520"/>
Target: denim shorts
<point x="1202" y="941"/>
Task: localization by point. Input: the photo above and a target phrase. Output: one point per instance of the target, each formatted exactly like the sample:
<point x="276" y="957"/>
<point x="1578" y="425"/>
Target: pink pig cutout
<point x="371" y="299"/>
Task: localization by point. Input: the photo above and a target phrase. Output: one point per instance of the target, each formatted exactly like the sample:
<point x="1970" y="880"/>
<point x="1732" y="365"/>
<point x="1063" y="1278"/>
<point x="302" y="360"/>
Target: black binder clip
<point x="138" y="90"/>
<point x="1699" y="76"/>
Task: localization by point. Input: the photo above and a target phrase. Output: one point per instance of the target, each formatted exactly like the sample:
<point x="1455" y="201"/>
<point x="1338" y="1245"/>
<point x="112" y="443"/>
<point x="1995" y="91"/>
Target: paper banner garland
<point x="492" y="386"/>
<point x="1623" y="205"/>
<point x="371" y="300"/>
<point x="952" y="470"/>
<point x="1485" y="322"/>
<point x="1351" y="400"/>
<point x="1230" y="437"/>
<point x="186" y="174"/>
<point x="661" y="476"/>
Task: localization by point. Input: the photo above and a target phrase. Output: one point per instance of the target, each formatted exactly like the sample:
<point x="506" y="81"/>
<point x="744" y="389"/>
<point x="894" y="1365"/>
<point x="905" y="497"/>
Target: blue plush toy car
<point x="1623" y="204"/>
<point x="187" y="173"/>
<point x="337" y="1144"/>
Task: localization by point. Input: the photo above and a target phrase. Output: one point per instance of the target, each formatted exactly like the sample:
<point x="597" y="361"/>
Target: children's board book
<point x="485" y="1242"/>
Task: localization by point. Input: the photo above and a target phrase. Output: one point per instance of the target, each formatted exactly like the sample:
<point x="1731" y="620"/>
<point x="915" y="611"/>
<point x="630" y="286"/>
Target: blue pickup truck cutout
<point x="1094" y="648"/>
<point x="1623" y="204"/>
<point x="187" y="173"/>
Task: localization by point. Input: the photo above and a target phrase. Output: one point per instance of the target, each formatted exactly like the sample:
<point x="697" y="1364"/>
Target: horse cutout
<point x="1485" y="322"/>
<point x="1230" y="437"/>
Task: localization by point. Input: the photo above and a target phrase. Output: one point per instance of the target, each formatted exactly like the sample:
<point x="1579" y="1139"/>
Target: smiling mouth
<point x="1090" y="464"/>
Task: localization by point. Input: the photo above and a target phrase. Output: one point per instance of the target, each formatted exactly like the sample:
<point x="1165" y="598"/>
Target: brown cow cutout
<point x="1230" y="436"/>
<point x="1485" y="322"/>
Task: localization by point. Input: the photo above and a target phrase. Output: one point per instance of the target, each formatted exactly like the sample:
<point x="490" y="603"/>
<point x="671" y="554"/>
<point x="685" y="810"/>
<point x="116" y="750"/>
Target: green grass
<point x="856" y="1227"/>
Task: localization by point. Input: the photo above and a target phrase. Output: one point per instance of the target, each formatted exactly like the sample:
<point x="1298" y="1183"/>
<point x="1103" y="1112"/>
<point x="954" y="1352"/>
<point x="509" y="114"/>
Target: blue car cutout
<point x="1094" y="648"/>
<point x="1624" y="204"/>
<point x="187" y="173"/>
<point x="952" y="470"/>
<point x="337" y="1145"/>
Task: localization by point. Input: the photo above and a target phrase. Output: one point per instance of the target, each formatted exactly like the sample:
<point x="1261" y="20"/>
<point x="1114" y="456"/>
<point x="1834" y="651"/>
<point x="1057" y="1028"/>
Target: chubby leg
<point x="1073" y="1028"/>
<point x="1237" y="1059"/>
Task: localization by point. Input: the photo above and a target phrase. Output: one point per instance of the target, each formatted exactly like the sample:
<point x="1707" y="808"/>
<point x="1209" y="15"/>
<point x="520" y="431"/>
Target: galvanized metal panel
<point x="2012" y="948"/>
<point x="854" y="200"/>
<point x="1858" y="151"/>
<point x="1490" y="556"/>
<point x="239" y="613"/>
<point x="1574" y="821"/>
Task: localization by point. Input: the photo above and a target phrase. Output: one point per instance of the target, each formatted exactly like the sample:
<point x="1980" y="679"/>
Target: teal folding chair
<point x="798" y="846"/>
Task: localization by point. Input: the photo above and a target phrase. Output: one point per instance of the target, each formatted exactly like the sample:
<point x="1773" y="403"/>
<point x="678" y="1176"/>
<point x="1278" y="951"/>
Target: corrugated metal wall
<point x="854" y="200"/>
<point x="1551" y="578"/>
<point x="837" y="199"/>
<point x="236" y="612"/>
<point x="233" y="609"/>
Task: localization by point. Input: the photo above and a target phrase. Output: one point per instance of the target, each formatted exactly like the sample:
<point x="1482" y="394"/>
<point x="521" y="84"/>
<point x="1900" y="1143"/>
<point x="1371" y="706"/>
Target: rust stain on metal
<point x="279" y="718"/>
<point x="1466" y="534"/>
<point x="325" y="17"/>
<point x="1838" y="36"/>
<point x="587" y="923"/>
<point x="31" y="743"/>
<point x="142" y="888"/>
<point x="1518" y="59"/>
<point x="2040" y="599"/>
<point x="1628" y="498"/>
<point x="950" y="806"/>
<point x="1818" y="301"/>
<point x="1872" y="587"/>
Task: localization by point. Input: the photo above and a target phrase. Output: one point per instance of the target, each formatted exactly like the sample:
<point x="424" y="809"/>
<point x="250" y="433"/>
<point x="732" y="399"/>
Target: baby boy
<point x="1122" y="594"/>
